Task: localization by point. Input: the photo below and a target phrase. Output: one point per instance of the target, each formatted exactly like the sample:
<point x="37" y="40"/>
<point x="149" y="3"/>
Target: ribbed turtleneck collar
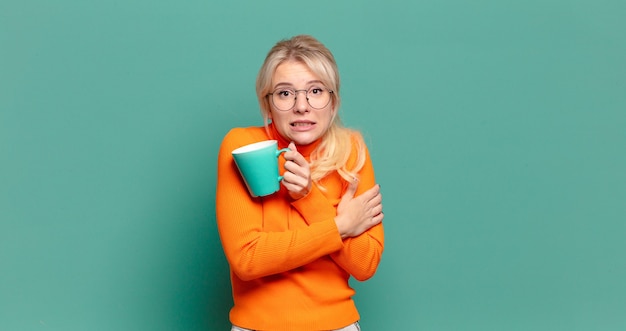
<point x="305" y="150"/>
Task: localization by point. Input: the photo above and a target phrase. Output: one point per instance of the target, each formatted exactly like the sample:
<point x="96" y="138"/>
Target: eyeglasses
<point x="284" y="99"/>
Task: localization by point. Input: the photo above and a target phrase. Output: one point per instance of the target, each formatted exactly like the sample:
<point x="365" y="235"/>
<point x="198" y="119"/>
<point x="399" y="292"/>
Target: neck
<point x="305" y="150"/>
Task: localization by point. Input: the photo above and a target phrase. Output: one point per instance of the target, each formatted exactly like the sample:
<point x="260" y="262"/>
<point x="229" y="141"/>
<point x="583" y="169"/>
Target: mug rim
<point x="255" y="146"/>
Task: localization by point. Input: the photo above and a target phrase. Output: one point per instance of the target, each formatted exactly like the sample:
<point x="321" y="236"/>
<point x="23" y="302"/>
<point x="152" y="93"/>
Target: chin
<point x="303" y="141"/>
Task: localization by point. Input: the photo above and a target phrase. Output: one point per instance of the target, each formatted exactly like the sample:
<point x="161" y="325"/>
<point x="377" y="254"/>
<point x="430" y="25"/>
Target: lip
<point x="301" y="126"/>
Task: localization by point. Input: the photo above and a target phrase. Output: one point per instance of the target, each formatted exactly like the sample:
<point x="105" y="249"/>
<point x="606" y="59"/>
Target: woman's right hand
<point x="357" y="215"/>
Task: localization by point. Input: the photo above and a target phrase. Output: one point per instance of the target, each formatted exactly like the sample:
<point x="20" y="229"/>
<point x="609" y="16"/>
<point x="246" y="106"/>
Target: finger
<point x="378" y="218"/>
<point x="375" y="200"/>
<point x="292" y="146"/>
<point x="370" y="194"/>
<point x="297" y="158"/>
<point x="292" y="150"/>
<point x="289" y="185"/>
<point x="300" y="170"/>
<point x="292" y="153"/>
<point x="377" y="210"/>
<point x="294" y="179"/>
<point x="352" y="186"/>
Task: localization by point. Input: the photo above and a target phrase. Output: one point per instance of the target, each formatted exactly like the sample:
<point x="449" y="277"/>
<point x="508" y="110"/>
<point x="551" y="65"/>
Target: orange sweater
<point x="289" y="265"/>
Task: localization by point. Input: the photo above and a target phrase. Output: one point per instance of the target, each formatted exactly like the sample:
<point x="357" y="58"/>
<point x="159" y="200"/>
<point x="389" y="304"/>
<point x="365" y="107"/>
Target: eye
<point x="284" y="93"/>
<point x="316" y="91"/>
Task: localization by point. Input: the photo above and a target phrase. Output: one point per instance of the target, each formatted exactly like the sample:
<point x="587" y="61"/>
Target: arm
<point x="360" y="253"/>
<point x="251" y="251"/>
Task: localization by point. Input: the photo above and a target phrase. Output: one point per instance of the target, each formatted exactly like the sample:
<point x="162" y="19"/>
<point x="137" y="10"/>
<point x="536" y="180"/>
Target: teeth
<point x="300" y="124"/>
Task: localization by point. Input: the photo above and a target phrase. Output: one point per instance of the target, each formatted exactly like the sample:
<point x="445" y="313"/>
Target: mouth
<point x="302" y="124"/>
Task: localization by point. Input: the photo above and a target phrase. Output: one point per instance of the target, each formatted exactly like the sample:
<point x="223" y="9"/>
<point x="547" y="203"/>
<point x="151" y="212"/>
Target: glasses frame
<point x="306" y="95"/>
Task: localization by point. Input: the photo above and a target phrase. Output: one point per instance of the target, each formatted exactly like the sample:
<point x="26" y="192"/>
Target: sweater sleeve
<point x="251" y="251"/>
<point x="359" y="256"/>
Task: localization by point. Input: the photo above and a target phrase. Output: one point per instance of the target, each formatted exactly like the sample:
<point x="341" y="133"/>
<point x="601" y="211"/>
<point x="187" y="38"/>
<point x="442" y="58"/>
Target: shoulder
<point x="238" y="137"/>
<point x="252" y="132"/>
<point x="357" y="141"/>
<point x="358" y="149"/>
<point x="356" y="138"/>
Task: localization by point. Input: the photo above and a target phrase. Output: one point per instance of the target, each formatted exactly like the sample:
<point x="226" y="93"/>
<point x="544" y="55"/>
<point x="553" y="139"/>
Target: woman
<point x="291" y="253"/>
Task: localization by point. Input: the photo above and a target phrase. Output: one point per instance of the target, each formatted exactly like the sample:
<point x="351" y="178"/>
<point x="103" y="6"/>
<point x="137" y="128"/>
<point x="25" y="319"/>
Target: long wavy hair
<point x="333" y="152"/>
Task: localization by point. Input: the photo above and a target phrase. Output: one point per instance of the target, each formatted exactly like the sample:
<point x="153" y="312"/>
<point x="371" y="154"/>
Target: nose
<point x="302" y="104"/>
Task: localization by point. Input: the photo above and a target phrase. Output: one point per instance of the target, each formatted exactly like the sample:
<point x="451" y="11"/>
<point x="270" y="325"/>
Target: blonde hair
<point x="333" y="152"/>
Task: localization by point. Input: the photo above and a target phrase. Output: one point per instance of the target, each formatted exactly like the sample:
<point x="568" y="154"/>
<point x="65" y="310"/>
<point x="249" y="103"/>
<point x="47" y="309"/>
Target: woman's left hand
<point x="297" y="176"/>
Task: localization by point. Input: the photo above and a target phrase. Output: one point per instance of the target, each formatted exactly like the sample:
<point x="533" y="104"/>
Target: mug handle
<point x="278" y="152"/>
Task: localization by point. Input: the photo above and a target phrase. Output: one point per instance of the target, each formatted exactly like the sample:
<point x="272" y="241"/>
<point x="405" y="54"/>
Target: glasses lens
<point x="284" y="99"/>
<point x="318" y="97"/>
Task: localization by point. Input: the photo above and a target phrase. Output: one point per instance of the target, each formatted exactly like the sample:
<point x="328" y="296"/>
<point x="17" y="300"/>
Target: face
<point x="302" y="124"/>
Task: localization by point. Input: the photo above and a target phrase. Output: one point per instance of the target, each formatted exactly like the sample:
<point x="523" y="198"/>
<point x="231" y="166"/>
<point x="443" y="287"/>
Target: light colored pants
<point x="351" y="327"/>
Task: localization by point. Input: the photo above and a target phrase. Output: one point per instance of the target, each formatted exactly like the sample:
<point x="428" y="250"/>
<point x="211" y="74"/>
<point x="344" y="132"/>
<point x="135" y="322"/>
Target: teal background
<point x="497" y="129"/>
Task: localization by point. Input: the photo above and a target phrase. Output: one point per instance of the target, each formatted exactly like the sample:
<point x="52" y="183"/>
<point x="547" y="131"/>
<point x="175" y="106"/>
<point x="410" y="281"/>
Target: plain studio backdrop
<point x="497" y="130"/>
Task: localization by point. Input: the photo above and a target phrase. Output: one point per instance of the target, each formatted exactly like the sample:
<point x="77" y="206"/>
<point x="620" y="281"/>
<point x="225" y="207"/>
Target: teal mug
<point x="258" y="165"/>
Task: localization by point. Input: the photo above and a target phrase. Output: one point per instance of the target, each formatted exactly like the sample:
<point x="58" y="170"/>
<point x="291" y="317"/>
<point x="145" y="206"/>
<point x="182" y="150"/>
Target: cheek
<point x="279" y="121"/>
<point x="331" y="117"/>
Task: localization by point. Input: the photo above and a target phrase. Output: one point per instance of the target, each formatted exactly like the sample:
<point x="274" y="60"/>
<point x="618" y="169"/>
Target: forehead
<point x="293" y="73"/>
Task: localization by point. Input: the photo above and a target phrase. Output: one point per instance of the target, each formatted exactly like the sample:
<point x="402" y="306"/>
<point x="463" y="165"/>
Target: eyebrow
<point x="311" y="82"/>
